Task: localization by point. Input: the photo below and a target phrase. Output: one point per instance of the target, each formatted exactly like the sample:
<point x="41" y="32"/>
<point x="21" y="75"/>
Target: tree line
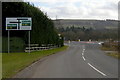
<point x="85" y="33"/>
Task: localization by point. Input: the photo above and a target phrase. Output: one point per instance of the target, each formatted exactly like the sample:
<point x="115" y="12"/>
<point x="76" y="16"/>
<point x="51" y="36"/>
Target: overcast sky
<point x="79" y="9"/>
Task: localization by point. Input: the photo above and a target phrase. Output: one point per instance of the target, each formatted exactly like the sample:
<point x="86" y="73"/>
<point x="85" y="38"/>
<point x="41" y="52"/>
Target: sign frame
<point x="18" y="23"/>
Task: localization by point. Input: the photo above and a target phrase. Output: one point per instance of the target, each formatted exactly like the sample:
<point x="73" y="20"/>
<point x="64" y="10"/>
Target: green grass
<point x="12" y="63"/>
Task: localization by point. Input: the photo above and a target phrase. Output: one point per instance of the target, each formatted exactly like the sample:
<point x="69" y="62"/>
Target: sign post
<point x="29" y="41"/>
<point x="18" y="23"/>
<point x="8" y="41"/>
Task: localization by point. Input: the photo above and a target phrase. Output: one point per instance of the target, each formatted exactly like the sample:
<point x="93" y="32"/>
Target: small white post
<point x="29" y="41"/>
<point x="8" y="41"/>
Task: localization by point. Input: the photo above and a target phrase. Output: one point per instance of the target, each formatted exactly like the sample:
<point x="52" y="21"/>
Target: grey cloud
<point x="110" y="6"/>
<point x="101" y="11"/>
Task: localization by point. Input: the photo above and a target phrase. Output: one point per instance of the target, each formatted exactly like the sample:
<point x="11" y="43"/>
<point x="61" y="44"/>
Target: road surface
<point x="80" y="60"/>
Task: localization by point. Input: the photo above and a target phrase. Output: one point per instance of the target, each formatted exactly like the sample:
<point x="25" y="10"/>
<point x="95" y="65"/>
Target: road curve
<point x="80" y="60"/>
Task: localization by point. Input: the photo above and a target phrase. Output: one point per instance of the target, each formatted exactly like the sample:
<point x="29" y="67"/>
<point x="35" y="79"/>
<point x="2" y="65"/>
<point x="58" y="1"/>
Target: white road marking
<point x="83" y="58"/>
<point x="83" y="50"/>
<point x="82" y="54"/>
<point x="97" y="69"/>
<point x="90" y="64"/>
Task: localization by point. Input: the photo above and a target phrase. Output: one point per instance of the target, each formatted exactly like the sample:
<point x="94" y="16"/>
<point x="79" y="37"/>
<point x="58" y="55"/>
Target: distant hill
<point x="95" y="24"/>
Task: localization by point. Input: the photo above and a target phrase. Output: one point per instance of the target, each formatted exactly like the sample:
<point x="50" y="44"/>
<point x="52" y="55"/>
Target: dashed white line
<point x="83" y="50"/>
<point x="82" y="54"/>
<point x="97" y="69"/>
<point x="83" y="58"/>
<point x="92" y="65"/>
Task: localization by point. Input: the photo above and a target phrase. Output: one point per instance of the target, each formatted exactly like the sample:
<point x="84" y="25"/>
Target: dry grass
<point x="116" y="55"/>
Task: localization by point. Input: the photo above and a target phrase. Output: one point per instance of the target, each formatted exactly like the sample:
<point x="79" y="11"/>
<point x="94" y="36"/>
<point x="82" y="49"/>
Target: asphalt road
<point x="80" y="60"/>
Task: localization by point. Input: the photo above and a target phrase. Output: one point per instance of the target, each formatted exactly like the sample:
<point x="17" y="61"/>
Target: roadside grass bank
<point x="107" y="48"/>
<point x="114" y="54"/>
<point x="12" y="63"/>
<point x="111" y="49"/>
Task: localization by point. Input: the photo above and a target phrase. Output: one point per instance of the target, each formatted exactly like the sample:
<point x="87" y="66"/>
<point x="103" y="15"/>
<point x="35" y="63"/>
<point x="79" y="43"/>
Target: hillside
<point x="87" y="29"/>
<point x="96" y="24"/>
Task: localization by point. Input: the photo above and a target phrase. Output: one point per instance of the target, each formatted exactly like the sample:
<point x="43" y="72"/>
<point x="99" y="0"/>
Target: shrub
<point x="16" y="44"/>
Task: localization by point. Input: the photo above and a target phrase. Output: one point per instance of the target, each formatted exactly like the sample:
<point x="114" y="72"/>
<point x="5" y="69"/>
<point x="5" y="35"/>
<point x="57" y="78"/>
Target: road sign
<point x="19" y="23"/>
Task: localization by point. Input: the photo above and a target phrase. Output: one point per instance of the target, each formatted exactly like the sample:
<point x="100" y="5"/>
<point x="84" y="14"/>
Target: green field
<point x="12" y="63"/>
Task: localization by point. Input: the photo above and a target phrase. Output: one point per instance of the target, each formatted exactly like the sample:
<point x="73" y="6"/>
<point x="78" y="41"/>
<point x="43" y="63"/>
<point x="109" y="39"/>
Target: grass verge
<point x="107" y="49"/>
<point x="12" y="63"/>
<point x="116" y="55"/>
<point x="112" y="53"/>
